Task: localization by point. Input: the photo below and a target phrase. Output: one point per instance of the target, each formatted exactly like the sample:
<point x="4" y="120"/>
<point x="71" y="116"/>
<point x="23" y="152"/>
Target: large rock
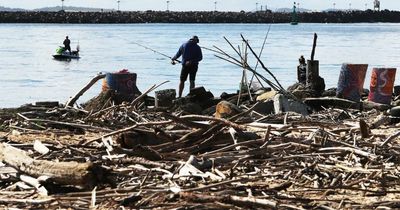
<point x="396" y="90"/>
<point x="265" y="107"/>
<point x="283" y="104"/>
<point x="266" y="96"/>
<point x="395" y="114"/>
<point x="202" y="97"/>
<point x="300" y="90"/>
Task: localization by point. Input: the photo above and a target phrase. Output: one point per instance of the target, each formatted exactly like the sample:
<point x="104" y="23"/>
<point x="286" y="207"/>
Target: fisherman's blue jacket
<point x="190" y="51"/>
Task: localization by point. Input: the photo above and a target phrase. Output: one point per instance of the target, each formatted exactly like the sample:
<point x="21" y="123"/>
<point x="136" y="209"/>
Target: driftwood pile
<point x="136" y="156"/>
<point x="123" y="157"/>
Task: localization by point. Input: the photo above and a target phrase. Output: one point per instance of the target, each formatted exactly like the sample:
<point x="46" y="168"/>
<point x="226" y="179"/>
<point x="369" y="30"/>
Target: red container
<point x="382" y="82"/>
<point x="351" y="81"/>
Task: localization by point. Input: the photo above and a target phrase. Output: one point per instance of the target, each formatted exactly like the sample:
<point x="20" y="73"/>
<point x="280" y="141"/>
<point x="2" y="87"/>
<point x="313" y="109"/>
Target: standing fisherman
<point x="191" y="56"/>
<point x="67" y="44"/>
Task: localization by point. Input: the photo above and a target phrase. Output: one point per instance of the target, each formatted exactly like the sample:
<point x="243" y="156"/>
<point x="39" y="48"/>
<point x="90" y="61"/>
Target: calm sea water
<point x="29" y="74"/>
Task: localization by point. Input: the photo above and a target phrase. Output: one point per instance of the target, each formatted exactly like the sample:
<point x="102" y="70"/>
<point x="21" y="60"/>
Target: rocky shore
<point x="198" y="17"/>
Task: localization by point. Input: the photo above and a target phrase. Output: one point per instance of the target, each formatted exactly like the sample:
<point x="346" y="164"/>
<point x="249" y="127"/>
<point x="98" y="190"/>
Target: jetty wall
<point x="198" y="17"/>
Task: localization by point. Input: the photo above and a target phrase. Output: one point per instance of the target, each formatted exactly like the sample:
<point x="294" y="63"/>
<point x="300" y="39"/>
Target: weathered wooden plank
<point x="66" y="173"/>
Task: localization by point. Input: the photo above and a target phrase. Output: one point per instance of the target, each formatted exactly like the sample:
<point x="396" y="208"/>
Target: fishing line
<point x="155" y="51"/>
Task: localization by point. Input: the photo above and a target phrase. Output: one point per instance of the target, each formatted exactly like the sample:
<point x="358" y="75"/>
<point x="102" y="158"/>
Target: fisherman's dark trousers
<point x="190" y="70"/>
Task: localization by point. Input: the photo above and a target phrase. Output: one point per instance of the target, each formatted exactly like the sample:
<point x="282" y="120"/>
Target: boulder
<point x="265" y="107"/>
<point x="266" y="96"/>
<point x="300" y="90"/>
<point x="396" y="90"/>
<point x="202" y="97"/>
<point x="199" y="94"/>
<point x="283" y="104"/>
<point x="395" y="114"/>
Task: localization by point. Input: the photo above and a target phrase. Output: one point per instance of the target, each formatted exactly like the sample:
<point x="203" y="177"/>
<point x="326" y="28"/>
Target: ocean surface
<point x="30" y="74"/>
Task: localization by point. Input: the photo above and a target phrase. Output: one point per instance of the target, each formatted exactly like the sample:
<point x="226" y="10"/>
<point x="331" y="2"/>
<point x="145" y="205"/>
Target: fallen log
<point x="66" y="173"/>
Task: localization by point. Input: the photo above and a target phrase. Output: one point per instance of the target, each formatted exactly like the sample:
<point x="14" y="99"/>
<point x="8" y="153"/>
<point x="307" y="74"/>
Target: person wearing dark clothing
<point x="302" y="70"/>
<point x="67" y="44"/>
<point x="191" y="56"/>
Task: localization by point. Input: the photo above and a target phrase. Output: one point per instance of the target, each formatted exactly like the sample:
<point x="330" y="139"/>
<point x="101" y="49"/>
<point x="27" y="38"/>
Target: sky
<point x="203" y="5"/>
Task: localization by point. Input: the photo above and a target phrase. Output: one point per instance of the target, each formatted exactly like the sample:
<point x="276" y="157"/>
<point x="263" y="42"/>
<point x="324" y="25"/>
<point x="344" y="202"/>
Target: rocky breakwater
<point x="196" y="17"/>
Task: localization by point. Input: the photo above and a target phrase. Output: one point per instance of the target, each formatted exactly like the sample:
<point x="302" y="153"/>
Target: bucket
<point x="123" y="83"/>
<point x="382" y="82"/>
<point x="351" y="81"/>
<point x="164" y="98"/>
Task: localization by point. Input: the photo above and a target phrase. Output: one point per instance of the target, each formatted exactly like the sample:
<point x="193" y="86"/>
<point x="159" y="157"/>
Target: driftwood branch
<point x="72" y="101"/>
<point x="390" y="138"/>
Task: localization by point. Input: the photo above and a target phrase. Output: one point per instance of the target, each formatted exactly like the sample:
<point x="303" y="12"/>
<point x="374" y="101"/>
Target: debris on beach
<point x="258" y="149"/>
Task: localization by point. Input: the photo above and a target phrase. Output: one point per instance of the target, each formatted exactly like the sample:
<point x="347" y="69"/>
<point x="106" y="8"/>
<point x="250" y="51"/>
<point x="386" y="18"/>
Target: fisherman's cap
<point x="195" y="38"/>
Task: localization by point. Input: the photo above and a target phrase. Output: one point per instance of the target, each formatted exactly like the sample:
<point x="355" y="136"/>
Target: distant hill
<point x="331" y="10"/>
<point x="72" y="9"/>
<point x="289" y="10"/>
<point x="341" y="10"/>
<point x="6" y="9"/>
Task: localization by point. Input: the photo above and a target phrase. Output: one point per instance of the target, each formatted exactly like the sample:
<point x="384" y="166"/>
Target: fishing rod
<point x="155" y="51"/>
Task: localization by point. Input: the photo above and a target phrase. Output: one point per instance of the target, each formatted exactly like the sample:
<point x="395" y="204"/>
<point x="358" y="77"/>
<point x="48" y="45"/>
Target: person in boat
<point x="67" y="44"/>
<point x="302" y="70"/>
<point x="191" y="56"/>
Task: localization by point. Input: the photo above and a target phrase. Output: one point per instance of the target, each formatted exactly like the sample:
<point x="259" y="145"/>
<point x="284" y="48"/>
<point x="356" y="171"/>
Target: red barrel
<point x="122" y="82"/>
<point x="382" y="82"/>
<point x="351" y="81"/>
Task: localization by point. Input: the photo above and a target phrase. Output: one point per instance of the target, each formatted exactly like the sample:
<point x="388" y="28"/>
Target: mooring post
<point x="312" y="65"/>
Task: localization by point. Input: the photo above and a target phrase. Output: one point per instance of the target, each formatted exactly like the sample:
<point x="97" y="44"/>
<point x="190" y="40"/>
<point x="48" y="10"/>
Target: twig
<point x="390" y="138"/>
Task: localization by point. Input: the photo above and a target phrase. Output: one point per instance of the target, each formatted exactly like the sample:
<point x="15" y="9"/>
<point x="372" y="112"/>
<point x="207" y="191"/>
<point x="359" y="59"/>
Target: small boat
<point x="62" y="54"/>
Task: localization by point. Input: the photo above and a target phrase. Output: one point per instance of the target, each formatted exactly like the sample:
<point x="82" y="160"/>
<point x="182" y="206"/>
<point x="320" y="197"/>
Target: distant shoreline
<point x="368" y="16"/>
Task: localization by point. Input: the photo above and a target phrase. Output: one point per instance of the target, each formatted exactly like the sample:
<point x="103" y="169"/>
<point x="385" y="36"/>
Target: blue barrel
<point x="123" y="83"/>
<point x="351" y="81"/>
